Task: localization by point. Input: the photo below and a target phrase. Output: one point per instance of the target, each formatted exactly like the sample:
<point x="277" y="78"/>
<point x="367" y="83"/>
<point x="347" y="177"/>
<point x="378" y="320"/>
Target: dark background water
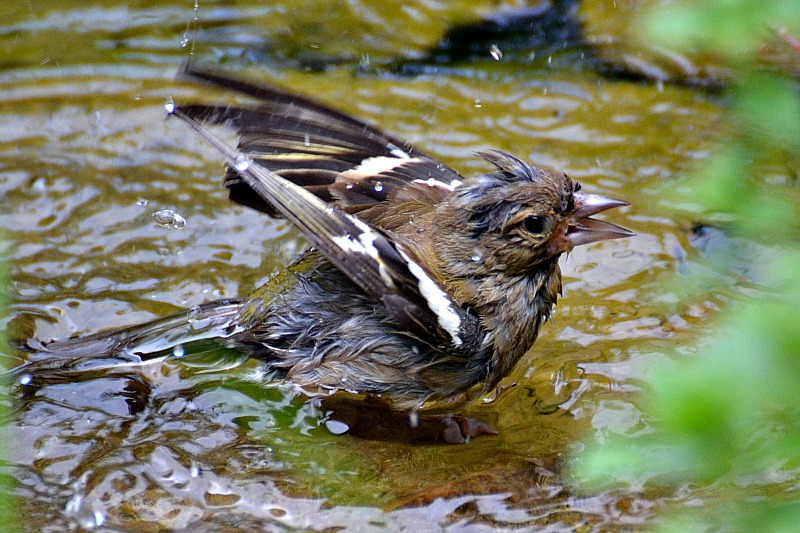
<point x="87" y="158"/>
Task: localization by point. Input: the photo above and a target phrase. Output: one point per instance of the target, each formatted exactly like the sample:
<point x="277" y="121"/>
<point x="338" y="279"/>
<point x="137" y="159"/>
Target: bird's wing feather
<point x="337" y="157"/>
<point x="374" y="260"/>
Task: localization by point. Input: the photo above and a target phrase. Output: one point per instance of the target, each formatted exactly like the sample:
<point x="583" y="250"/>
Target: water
<point x="168" y="218"/>
<point x="87" y="158"/>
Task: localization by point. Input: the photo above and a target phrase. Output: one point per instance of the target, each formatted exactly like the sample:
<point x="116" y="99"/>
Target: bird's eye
<point x="534" y="224"/>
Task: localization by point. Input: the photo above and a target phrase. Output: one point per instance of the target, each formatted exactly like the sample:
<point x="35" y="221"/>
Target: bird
<point x="419" y="284"/>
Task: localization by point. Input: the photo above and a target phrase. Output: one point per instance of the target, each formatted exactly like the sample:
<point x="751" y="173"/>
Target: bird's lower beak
<point x="582" y="229"/>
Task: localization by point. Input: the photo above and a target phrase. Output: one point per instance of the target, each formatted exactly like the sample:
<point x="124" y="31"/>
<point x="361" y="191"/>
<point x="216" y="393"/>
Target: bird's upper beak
<point x="581" y="229"/>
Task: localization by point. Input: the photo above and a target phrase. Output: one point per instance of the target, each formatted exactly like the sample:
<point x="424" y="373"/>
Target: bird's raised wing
<point x="338" y="158"/>
<point x="375" y="261"/>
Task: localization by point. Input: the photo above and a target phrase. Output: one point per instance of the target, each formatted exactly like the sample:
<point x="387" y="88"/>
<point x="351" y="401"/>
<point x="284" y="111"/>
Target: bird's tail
<point x="144" y="342"/>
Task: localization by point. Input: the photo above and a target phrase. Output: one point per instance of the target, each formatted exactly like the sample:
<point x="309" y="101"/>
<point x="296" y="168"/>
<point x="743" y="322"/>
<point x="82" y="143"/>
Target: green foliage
<point x="727" y="420"/>
<point x="732" y="28"/>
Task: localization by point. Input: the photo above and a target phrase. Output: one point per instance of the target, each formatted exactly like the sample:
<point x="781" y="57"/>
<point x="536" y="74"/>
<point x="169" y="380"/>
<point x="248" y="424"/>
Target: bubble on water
<point x="167" y="218"/>
<point x="279" y="512"/>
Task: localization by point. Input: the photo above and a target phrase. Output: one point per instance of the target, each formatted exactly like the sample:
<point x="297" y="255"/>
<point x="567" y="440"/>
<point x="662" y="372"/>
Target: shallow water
<point x="87" y="158"/>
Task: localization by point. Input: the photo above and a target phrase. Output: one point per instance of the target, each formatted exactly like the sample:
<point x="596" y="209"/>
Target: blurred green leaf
<point x="769" y="105"/>
<point x="728" y="417"/>
<point x="731" y="28"/>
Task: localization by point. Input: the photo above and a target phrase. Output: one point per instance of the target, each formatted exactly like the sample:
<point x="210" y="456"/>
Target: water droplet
<point x="184" y="39"/>
<point x="413" y="419"/>
<point x="307" y="140"/>
<point x="475" y="258"/>
<point x="141" y="201"/>
<point x="169" y="105"/>
<point x="194" y="471"/>
<point x="378" y="186"/>
<point x="495" y="52"/>
<point x="336" y="427"/>
<point x="477" y="103"/>
<point x="193" y="315"/>
<point x="99" y="518"/>
<point x="178" y="351"/>
<point x="242" y="163"/>
<point x="25" y="379"/>
<point x="168" y="218"/>
<point x="73" y="504"/>
<point x="329" y="210"/>
<point x="495" y="395"/>
<point x="348" y="186"/>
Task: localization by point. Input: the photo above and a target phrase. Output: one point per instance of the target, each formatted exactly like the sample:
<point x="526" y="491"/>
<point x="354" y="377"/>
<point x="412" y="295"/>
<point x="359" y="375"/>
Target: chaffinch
<point x="420" y="283"/>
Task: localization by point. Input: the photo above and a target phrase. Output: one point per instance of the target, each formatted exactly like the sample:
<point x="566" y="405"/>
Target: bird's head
<point x="518" y="220"/>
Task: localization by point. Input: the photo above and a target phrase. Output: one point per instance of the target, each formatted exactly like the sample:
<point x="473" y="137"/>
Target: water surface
<point x="87" y="158"/>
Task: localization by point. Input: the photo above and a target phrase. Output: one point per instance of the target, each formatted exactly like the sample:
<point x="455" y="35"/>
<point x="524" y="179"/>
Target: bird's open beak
<point x="582" y="229"/>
